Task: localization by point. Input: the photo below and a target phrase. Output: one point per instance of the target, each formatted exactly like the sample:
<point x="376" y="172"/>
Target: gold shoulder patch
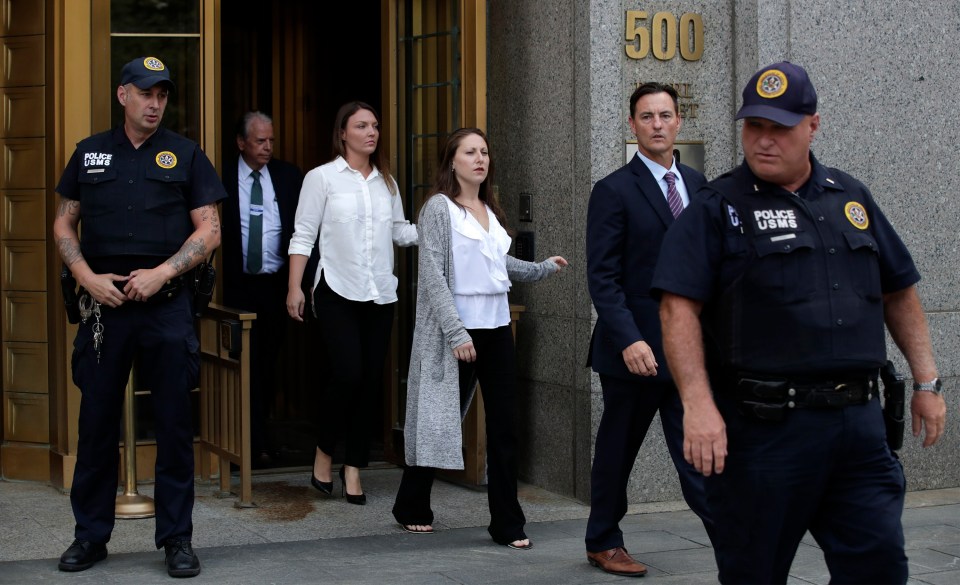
<point x="166" y="160"/>
<point x="857" y="215"/>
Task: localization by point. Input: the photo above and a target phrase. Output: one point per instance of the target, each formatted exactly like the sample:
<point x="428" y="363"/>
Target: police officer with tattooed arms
<point x="146" y="198"/>
<point x="776" y="284"/>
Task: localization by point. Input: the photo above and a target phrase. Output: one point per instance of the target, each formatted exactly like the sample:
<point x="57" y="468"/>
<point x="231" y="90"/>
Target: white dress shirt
<point x="480" y="280"/>
<point x="359" y="221"/>
<point x="271" y="217"/>
<point x="659" y="172"/>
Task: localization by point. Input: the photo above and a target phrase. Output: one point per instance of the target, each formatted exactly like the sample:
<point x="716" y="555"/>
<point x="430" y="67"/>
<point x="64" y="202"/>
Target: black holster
<point x="204" y="279"/>
<point x="68" y="285"/>
<point x="894" y="404"/>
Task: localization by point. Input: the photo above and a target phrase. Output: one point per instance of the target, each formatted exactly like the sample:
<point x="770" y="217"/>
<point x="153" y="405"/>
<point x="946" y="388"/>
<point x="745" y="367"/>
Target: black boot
<point x="82" y="555"/>
<point x="181" y="560"/>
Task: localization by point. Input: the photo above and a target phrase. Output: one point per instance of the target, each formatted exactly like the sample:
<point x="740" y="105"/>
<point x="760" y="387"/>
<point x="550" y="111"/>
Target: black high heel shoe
<point x="324" y="486"/>
<point x="360" y="500"/>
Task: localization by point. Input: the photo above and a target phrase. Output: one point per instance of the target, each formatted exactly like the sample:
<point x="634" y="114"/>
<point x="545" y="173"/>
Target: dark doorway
<point x="298" y="61"/>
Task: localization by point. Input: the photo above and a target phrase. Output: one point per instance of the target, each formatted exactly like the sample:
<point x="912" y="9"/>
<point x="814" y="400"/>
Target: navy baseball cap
<point x="781" y="92"/>
<point x="145" y="72"/>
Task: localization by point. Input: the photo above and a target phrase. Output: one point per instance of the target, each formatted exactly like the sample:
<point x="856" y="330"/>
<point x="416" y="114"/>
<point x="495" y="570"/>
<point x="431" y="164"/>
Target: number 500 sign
<point x="664" y="30"/>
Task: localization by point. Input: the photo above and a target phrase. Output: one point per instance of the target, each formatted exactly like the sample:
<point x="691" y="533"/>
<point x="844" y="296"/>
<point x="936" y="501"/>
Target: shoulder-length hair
<point x="378" y="158"/>
<point x="446" y="181"/>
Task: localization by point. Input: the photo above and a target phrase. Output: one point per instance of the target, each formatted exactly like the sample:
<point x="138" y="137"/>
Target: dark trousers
<point x="628" y="409"/>
<point x="162" y="338"/>
<point x="265" y="295"/>
<point x="828" y="471"/>
<point x="355" y="337"/>
<point x="412" y="505"/>
<point x="495" y="369"/>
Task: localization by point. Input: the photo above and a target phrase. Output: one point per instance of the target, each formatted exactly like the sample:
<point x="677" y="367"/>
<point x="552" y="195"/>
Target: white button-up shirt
<point x="660" y="172"/>
<point x="272" y="261"/>
<point x="359" y="221"/>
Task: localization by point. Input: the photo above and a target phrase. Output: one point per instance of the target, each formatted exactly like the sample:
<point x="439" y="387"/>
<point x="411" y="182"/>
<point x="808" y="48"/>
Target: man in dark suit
<point x="628" y="215"/>
<point x="258" y="219"/>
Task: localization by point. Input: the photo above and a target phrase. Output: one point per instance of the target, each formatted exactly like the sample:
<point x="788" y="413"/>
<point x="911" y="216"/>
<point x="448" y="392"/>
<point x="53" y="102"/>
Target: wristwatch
<point x="935" y="386"/>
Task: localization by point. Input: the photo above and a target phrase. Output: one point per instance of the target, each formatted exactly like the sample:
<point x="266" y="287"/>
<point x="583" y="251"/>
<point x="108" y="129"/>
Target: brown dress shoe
<point x="617" y="561"/>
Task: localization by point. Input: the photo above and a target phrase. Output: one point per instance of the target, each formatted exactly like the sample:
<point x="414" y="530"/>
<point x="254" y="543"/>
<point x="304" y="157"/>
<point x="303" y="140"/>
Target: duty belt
<point x="169" y="289"/>
<point x="772" y="399"/>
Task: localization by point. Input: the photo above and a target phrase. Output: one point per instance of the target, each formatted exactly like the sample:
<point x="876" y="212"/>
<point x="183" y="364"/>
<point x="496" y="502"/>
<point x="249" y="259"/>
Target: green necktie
<point x="255" y="237"/>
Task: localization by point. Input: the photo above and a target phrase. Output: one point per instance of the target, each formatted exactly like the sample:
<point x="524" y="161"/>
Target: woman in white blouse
<point x="354" y="205"/>
<point x="463" y="335"/>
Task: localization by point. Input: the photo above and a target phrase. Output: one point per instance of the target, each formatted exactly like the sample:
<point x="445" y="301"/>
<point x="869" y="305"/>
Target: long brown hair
<point x="378" y="158"/>
<point x="447" y="183"/>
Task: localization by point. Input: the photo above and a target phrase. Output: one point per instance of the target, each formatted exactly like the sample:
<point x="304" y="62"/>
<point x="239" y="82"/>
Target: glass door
<point x="440" y="85"/>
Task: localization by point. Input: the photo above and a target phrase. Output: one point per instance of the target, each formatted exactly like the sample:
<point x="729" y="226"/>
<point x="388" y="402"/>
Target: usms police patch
<point x="857" y="215"/>
<point x="166" y="160"/>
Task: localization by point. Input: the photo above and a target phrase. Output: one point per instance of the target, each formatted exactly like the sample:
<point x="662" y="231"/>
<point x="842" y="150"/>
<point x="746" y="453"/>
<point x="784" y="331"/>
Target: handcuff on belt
<point x="91" y="306"/>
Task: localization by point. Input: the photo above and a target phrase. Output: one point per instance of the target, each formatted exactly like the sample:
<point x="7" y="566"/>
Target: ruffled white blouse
<point x="479" y="269"/>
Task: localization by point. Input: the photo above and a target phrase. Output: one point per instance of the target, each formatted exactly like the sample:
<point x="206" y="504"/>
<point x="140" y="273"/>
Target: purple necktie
<point x="673" y="196"/>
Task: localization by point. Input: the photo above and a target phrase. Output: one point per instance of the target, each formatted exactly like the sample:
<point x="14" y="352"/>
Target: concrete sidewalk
<point x="297" y="535"/>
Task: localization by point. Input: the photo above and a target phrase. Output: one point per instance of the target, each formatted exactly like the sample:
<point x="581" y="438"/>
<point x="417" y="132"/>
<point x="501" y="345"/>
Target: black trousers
<point x="628" y="409"/>
<point x="162" y="338"/>
<point x="265" y="295"/>
<point x="495" y="369"/>
<point x="355" y="337"/>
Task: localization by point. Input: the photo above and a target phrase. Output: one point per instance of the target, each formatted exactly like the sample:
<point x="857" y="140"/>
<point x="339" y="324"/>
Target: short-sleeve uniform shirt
<point x="792" y="283"/>
<point x="135" y="203"/>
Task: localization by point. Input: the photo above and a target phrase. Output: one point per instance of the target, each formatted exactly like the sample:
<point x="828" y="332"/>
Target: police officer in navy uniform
<point x="776" y="284"/>
<point x="146" y="198"/>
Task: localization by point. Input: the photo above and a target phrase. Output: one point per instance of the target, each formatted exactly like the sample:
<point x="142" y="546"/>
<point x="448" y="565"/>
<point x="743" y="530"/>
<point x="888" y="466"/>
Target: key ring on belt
<point x="91" y="306"/>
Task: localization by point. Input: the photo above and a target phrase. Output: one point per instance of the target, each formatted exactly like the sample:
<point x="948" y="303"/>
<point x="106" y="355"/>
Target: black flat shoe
<point x="528" y="546"/>
<point x="360" y="500"/>
<point x="82" y="555"/>
<point x="181" y="560"/>
<point x="324" y="486"/>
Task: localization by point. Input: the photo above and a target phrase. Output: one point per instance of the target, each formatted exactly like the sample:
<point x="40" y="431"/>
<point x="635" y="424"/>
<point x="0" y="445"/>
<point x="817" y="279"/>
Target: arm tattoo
<point x="209" y="213"/>
<point x="69" y="250"/>
<point x="195" y="250"/>
<point x="68" y="207"/>
<point x="69" y="245"/>
<point x="188" y="255"/>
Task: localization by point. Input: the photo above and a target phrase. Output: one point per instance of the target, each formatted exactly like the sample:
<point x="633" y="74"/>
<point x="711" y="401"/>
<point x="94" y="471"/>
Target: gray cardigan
<point x="431" y="432"/>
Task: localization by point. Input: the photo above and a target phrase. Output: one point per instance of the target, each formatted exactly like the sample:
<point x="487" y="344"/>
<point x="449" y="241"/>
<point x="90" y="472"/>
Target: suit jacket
<point x="287" y="180"/>
<point x="627" y="219"/>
